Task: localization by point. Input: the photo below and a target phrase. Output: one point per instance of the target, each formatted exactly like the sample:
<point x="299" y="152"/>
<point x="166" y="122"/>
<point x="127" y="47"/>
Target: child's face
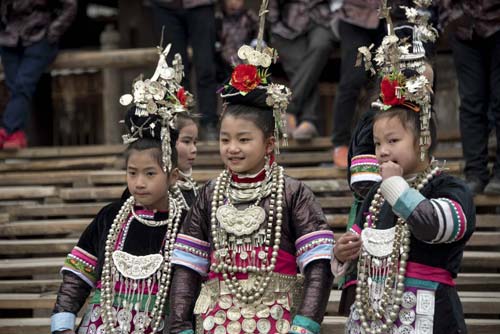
<point x="186" y="147"/>
<point x="233" y="6"/>
<point x="147" y="181"/>
<point x="242" y="145"/>
<point x="394" y="142"/>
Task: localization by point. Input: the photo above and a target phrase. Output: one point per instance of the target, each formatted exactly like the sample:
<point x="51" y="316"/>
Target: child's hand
<point x="347" y="247"/>
<point x="389" y="168"/>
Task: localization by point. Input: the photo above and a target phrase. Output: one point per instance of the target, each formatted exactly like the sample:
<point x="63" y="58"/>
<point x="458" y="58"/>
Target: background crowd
<point x="305" y="33"/>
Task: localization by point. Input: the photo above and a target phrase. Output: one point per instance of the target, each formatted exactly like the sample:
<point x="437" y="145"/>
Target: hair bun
<point x="256" y="98"/>
<point x="143" y="126"/>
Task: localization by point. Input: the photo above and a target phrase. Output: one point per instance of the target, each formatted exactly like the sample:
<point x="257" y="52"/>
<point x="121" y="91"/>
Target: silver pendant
<point x="240" y="222"/>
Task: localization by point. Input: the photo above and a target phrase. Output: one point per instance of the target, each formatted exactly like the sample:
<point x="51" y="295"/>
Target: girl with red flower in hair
<point x="400" y="257"/>
<point x="251" y="227"/>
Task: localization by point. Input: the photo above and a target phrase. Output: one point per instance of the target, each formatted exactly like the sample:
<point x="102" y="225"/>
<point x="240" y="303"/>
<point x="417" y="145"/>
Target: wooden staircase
<point x="49" y="195"/>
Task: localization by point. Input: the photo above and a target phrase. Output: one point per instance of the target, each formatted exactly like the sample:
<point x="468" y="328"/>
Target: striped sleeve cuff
<point x="62" y="321"/>
<point x="400" y="196"/>
<point x="191" y="253"/>
<point x="82" y="264"/>
<point x="304" y="325"/>
<point x="314" y="246"/>
<point x="364" y="168"/>
<point x="451" y="219"/>
<point x="392" y="188"/>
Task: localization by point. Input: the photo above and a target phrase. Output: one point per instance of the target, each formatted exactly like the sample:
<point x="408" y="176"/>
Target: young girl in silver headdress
<point x="250" y="228"/>
<point x="402" y="254"/>
<point x="186" y="187"/>
<point x="123" y="256"/>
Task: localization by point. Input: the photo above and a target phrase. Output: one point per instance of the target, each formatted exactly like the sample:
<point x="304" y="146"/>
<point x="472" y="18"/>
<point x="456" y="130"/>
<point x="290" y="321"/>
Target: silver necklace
<point x="225" y="264"/>
<point x="390" y="269"/>
<point x="109" y="271"/>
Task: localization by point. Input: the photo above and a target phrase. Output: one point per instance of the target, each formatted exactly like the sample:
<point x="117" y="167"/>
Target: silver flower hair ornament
<point x="158" y="100"/>
<point x="253" y="74"/>
<point x="393" y="57"/>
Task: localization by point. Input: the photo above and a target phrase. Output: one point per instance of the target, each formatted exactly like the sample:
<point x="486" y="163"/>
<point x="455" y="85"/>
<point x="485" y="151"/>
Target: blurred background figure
<point x="30" y="31"/>
<point x="301" y="32"/>
<point x="475" y="41"/>
<point x="192" y="22"/>
<point x="359" y="26"/>
<point x="236" y="25"/>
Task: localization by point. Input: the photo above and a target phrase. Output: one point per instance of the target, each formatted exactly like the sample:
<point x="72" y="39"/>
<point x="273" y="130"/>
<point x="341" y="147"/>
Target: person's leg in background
<point x="291" y="53"/>
<point x="493" y="42"/>
<point x="201" y="27"/>
<point x="352" y="79"/>
<point x="473" y="88"/>
<point x="11" y="58"/>
<point x="31" y="62"/>
<point x="173" y="24"/>
<point x="305" y="88"/>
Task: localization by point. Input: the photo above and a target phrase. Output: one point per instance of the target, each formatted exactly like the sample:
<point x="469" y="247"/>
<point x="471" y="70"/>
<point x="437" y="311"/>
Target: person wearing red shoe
<point x="301" y="32"/>
<point x="29" y="35"/>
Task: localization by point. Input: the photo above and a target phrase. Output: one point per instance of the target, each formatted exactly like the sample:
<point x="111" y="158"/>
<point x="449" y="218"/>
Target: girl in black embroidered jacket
<point x="434" y="215"/>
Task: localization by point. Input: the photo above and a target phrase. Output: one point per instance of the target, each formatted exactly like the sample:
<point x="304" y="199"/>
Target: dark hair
<point x="262" y="118"/>
<point x="183" y="120"/>
<point x="410" y="120"/>
<point x="154" y="145"/>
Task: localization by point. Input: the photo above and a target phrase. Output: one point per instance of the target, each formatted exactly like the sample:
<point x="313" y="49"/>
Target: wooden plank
<point x="63" y="152"/>
<point x="61" y="164"/>
<point x="30" y="286"/>
<point x="37" y="246"/>
<point x="99" y="193"/>
<point x="14" y="193"/>
<point x="28" y="267"/>
<point x="27" y="301"/>
<point x="26" y="325"/>
<point x="478" y="281"/>
<point x="481" y="259"/>
<point x="43" y="227"/>
<point x="317" y="144"/>
<point x="487" y="200"/>
<point x="335" y="202"/>
<point x="49" y="178"/>
<point x="484" y="239"/>
<point x="4" y="218"/>
<point x="52" y="210"/>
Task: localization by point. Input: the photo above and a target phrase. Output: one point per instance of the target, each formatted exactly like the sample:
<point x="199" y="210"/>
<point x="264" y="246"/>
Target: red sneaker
<point x="15" y="141"/>
<point x="340" y="157"/>
<point x="3" y="136"/>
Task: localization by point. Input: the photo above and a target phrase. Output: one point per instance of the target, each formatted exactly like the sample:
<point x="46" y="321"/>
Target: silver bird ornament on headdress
<point x="157" y="102"/>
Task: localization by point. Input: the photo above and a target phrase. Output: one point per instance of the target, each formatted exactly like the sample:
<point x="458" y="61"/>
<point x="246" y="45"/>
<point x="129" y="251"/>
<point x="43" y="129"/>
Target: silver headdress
<point x="394" y="61"/>
<point x="157" y="102"/>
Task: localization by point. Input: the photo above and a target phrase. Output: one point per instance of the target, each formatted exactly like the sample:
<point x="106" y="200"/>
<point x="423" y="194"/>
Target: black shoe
<point x="475" y="185"/>
<point x="493" y="187"/>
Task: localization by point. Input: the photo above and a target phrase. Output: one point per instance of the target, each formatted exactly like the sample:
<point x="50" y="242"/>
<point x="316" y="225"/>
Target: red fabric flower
<point x="181" y="96"/>
<point x="245" y="78"/>
<point x="388" y="90"/>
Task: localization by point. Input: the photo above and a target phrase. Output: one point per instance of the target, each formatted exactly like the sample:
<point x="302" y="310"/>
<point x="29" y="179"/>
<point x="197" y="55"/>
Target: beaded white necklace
<point x="187" y="182"/>
<point x="392" y="288"/>
<point x="109" y="272"/>
<point x="223" y="262"/>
